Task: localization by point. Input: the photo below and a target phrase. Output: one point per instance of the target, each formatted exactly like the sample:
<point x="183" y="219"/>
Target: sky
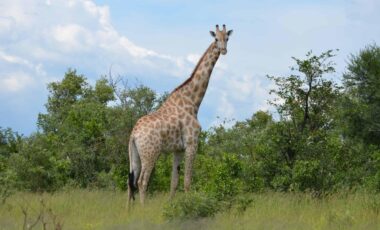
<point x="158" y="42"/>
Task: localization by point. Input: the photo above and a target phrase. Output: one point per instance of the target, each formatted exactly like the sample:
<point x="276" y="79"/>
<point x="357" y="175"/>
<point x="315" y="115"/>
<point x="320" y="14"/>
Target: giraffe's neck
<point x="190" y="93"/>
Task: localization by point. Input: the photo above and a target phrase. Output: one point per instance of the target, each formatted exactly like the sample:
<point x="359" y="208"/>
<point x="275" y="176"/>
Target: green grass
<point x="83" y="209"/>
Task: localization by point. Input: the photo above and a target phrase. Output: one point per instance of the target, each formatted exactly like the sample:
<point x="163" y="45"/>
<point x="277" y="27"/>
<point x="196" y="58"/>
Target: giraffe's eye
<point x="216" y="39"/>
<point x="226" y="39"/>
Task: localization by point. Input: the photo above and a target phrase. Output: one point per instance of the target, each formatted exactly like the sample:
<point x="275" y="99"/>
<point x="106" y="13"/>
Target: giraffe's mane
<point x="195" y="69"/>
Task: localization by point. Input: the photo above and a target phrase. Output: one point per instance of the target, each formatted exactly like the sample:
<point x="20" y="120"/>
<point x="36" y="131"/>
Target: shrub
<point x="7" y="181"/>
<point x="36" y="168"/>
<point x="307" y="175"/>
<point x="191" y="206"/>
<point x="227" y="181"/>
<point x="161" y="175"/>
<point x="241" y="203"/>
<point x="282" y="180"/>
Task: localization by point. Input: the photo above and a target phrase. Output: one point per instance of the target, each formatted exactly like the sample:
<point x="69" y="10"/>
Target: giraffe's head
<point x="221" y="38"/>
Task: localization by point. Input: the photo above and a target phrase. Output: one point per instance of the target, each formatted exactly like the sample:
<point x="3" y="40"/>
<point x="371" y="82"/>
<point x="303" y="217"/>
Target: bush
<point x="242" y="203"/>
<point x="7" y="181"/>
<point x="36" y="168"/>
<point x="228" y="177"/>
<point x="224" y="175"/>
<point x="282" y="180"/>
<point x="161" y="175"/>
<point x="307" y="175"/>
<point x="120" y="176"/>
<point x="373" y="181"/>
<point x="191" y="206"/>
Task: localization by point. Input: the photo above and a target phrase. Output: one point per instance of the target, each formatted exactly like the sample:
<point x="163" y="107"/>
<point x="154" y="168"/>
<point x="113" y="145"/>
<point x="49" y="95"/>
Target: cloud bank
<point x="40" y="40"/>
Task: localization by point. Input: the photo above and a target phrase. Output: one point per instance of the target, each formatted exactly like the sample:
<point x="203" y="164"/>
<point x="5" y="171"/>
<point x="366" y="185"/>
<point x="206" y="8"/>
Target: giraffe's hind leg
<point x="175" y="173"/>
<point x="146" y="170"/>
<point x="143" y="184"/>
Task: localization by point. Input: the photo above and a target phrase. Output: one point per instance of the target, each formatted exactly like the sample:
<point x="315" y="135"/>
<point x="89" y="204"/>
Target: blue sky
<point x="158" y="42"/>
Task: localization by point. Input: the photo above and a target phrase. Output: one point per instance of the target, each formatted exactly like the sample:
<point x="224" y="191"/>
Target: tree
<point x="10" y="143"/>
<point x="361" y="106"/>
<point x="76" y="122"/>
<point x="306" y="97"/>
<point x="89" y="131"/>
<point x="305" y="100"/>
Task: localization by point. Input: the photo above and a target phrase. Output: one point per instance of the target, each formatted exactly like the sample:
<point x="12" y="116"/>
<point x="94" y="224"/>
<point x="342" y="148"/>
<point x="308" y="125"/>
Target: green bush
<point x="120" y="176"/>
<point x="227" y="180"/>
<point x="241" y="203"/>
<point x="224" y="175"/>
<point x="35" y="168"/>
<point x="7" y="183"/>
<point x="191" y="206"/>
<point x="307" y="175"/>
<point x="161" y="175"/>
<point x="253" y="176"/>
<point x="282" y="180"/>
<point x="373" y="180"/>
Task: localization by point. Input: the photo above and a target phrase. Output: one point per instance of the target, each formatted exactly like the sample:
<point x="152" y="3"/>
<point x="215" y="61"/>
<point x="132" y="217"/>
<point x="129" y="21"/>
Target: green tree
<point x="37" y="166"/>
<point x="10" y="143"/>
<point x="91" y="132"/>
<point x="361" y="106"/>
<point x="62" y="96"/>
<point x="305" y="101"/>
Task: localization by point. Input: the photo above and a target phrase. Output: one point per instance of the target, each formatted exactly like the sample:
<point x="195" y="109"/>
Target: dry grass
<point x="83" y="209"/>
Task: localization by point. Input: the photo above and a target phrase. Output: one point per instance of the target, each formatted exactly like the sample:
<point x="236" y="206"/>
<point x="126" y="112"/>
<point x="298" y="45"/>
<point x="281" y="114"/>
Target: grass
<point x="83" y="209"/>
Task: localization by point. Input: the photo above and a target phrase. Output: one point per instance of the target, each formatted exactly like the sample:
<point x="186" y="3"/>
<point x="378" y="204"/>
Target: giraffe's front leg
<point x="190" y="136"/>
<point x="175" y="173"/>
<point x="189" y="159"/>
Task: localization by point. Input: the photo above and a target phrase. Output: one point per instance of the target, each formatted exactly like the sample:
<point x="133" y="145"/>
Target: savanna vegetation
<point x="313" y="163"/>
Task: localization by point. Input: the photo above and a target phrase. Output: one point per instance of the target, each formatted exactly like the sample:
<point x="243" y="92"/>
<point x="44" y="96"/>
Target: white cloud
<point x="225" y="108"/>
<point x="193" y="58"/>
<point x="5" y="24"/>
<point x="134" y="50"/>
<point x="14" y="59"/>
<point x="41" y="39"/>
<point x="20" y="62"/>
<point x="238" y="96"/>
<point x="72" y="37"/>
<point x="15" y="82"/>
<point x="78" y="33"/>
<point x="248" y="88"/>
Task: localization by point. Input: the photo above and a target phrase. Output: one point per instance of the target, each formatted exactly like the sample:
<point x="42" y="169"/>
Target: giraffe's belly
<point x="162" y="132"/>
<point x="171" y="136"/>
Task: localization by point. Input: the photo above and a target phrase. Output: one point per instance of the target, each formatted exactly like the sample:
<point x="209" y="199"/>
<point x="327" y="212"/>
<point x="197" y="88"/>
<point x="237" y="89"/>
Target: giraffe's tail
<point x="134" y="169"/>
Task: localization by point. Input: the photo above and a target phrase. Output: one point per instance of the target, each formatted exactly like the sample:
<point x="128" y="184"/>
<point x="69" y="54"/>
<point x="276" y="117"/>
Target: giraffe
<point x="174" y="127"/>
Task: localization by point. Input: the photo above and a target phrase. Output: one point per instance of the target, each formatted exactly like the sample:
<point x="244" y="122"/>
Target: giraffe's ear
<point x="212" y="33"/>
<point x="229" y="32"/>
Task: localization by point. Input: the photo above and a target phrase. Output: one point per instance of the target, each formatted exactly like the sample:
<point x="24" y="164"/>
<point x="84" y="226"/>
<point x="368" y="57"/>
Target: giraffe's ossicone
<point x="174" y="127"/>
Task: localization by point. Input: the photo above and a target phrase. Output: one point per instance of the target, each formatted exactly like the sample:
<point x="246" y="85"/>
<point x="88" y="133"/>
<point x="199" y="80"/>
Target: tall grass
<point x="83" y="209"/>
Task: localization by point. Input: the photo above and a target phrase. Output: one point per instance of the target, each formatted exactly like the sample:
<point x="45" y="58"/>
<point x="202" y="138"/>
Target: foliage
<point x="191" y="206"/>
<point x="305" y="101"/>
<point x="323" y="137"/>
<point x="361" y="106"/>
<point x="82" y="139"/>
<point x="9" y="144"/>
<point x="161" y="176"/>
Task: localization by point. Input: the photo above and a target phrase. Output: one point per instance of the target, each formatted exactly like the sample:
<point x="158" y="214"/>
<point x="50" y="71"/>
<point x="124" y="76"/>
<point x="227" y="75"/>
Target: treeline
<point x="326" y="136"/>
